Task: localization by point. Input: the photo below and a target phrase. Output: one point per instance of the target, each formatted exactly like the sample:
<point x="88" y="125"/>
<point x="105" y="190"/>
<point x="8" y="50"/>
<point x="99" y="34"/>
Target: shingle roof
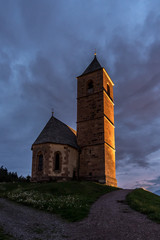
<point x="56" y="131"/>
<point x="93" y="66"/>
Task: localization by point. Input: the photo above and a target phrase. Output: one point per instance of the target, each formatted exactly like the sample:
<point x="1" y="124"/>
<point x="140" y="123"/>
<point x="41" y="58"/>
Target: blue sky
<point x="46" y="44"/>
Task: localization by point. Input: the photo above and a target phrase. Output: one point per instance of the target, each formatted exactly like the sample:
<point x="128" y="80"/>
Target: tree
<point x="6" y="176"/>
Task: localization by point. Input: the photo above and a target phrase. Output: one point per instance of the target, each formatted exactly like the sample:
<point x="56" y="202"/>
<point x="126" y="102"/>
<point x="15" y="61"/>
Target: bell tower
<point x="95" y="125"/>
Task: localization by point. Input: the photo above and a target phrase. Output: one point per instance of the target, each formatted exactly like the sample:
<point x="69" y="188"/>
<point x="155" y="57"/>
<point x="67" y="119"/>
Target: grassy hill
<point x="71" y="200"/>
<point x="145" y="202"/>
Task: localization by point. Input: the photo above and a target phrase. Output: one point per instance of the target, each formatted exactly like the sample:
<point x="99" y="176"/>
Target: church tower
<point x="95" y="125"/>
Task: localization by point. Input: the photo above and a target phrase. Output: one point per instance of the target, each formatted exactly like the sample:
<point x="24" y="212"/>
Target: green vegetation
<point x="71" y="200"/>
<point x="145" y="202"/>
<point x="5" y="236"/>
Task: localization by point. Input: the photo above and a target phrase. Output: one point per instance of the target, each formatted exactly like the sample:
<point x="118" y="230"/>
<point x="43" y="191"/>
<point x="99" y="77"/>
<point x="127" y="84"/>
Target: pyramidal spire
<point x="93" y="66"/>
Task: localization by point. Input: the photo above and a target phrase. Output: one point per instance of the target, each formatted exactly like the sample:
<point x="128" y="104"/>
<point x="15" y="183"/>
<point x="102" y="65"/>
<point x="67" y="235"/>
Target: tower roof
<point x="56" y="131"/>
<point x="93" y="66"/>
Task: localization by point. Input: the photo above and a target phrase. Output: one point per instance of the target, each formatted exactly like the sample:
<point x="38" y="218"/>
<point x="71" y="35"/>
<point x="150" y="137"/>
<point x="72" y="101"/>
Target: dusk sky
<point x="46" y="44"/>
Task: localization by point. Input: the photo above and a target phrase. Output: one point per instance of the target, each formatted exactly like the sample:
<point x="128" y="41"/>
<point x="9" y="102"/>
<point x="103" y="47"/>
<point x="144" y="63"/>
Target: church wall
<point x="91" y="124"/>
<point x="95" y="127"/>
<point x="110" y="166"/>
<point x="91" y="162"/>
<point x="69" y="158"/>
<point x="90" y="127"/>
<point x="43" y="149"/>
<point x="68" y="162"/>
<point x="109" y="136"/>
<point x="90" y="107"/>
<point x="90" y="132"/>
<point x="108" y="107"/>
<point x="107" y="81"/>
<point x="96" y="77"/>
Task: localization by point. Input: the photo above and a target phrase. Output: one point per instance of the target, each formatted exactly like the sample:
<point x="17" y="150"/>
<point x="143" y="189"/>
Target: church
<point x="60" y="153"/>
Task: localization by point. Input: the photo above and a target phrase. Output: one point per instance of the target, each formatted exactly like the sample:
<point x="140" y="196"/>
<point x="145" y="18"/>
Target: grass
<point x="71" y="200"/>
<point x="4" y="236"/>
<point x="145" y="202"/>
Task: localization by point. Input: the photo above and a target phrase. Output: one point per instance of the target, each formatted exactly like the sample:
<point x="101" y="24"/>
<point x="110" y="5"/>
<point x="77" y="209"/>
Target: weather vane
<point x="52" y="111"/>
<point x="95" y="52"/>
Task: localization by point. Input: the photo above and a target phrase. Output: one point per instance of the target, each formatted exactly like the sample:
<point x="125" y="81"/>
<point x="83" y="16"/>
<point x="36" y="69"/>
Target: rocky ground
<point x="109" y="219"/>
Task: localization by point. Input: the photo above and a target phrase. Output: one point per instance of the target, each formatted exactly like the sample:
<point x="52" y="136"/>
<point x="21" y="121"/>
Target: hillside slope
<point x="145" y="202"/>
<point x="110" y="218"/>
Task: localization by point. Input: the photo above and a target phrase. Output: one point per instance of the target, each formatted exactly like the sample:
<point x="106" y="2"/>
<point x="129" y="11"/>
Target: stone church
<point x="61" y="153"/>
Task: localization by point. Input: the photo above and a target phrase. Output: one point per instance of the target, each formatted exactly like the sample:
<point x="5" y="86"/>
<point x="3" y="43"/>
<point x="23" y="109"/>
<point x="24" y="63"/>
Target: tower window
<point x="40" y="162"/>
<point x="57" y="161"/>
<point x="90" y="88"/>
<point x="108" y="90"/>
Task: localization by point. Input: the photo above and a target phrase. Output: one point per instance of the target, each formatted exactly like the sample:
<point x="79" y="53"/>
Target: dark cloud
<point x="136" y="72"/>
<point x="5" y="71"/>
<point x="45" y="45"/>
<point x="152" y="185"/>
<point x="155" y="181"/>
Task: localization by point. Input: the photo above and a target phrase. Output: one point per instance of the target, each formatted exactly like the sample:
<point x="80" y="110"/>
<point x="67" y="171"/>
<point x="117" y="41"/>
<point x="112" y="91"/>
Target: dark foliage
<point x="6" y="176"/>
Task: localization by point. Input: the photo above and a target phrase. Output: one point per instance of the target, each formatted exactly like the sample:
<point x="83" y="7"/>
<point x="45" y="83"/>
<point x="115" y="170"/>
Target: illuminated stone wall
<point x="91" y="162"/>
<point x="68" y="162"/>
<point x="95" y="128"/>
<point x="110" y="172"/>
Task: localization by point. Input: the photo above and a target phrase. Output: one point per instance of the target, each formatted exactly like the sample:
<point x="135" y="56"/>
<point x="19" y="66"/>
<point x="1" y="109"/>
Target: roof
<point x="56" y="131"/>
<point x="93" y="66"/>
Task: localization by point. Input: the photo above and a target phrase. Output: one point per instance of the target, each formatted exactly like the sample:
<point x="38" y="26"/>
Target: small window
<point x="108" y="90"/>
<point x="90" y="88"/>
<point x="57" y="163"/>
<point x="40" y="162"/>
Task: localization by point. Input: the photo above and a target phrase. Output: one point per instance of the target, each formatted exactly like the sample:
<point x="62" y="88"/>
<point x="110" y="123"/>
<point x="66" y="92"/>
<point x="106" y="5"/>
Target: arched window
<point x="108" y="90"/>
<point x="57" y="161"/>
<point x="90" y="88"/>
<point x="40" y="162"/>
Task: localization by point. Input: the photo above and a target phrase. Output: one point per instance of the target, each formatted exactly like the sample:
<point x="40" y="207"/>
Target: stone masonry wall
<point x="90" y="132"/>
<point x="108" y="107"/>
<point x="68" y="162"/>
<point x="95" y="128"/>
<point x="90" y="127"/>
<point x="91" y="162"/>
<point x="109" y="133"/>
<point x="107" y="81"/>
<point x="96" y="77"/>
<point x="110" y="166"/>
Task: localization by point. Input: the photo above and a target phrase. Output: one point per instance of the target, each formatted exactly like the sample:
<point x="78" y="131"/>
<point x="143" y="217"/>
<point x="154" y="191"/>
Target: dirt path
<point x="109" y="219"/>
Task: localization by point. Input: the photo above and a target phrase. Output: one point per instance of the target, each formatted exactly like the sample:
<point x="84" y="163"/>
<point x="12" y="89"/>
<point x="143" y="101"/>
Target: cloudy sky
<point x="44" y="45"/>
